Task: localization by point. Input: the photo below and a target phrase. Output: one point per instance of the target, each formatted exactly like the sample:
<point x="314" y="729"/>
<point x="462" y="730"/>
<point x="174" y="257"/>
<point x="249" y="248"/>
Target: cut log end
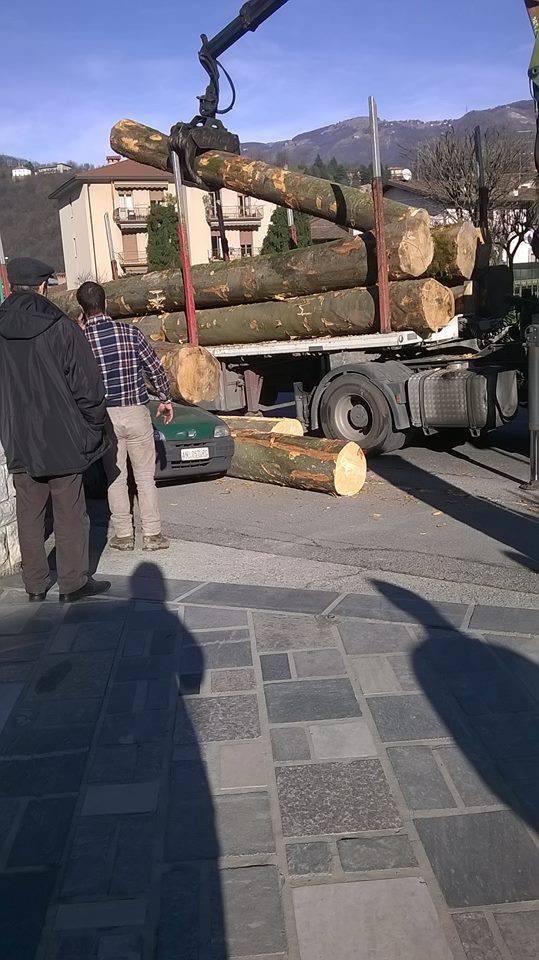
<point x="438" y="304"/>
<point x="193" y="374"/>
<point x="350" y="471"/>
<point x="416" y="248"/>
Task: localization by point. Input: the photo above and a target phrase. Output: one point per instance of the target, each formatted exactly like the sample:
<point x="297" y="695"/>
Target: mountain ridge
<point x="349" y="140"/>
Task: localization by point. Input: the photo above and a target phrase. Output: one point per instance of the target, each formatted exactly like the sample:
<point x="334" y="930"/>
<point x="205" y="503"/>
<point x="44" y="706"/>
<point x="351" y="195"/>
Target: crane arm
<point x="251" y="15"/>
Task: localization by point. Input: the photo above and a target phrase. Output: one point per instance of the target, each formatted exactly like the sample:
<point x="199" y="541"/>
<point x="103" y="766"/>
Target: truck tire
<point x="353" y="408"/>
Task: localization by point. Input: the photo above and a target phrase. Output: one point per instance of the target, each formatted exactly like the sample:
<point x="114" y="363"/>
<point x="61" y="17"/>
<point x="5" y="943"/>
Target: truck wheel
<point x="353" y="408"/>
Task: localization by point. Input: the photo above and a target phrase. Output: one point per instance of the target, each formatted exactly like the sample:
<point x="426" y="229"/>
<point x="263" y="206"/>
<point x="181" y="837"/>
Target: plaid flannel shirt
<point x="125" y="358"/>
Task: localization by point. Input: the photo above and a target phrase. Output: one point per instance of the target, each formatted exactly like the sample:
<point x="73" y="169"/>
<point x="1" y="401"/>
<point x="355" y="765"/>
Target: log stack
<point x="323" y="291"/>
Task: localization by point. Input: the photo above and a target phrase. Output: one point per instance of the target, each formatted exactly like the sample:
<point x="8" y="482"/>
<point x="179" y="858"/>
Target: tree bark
<point x="306" y="463"/>
<point x="284" y="425"/>
<point x="456" y="249"/>
<point x="193" y="374"/>
<point x="346" y="206"/>
<point x="423" y="306"/>
<point x="350" y="262"/>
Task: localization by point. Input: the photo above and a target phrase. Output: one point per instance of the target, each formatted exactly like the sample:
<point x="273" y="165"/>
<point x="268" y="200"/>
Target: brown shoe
<point x="122" y="543"/>
<point x="157" y="542"/>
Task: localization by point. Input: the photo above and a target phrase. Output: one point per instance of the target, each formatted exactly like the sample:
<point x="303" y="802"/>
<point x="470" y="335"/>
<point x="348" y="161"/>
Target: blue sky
<point x="70" y="70"/>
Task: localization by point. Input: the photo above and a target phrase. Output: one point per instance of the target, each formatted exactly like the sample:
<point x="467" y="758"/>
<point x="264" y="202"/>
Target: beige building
<point x="121" y="194"/>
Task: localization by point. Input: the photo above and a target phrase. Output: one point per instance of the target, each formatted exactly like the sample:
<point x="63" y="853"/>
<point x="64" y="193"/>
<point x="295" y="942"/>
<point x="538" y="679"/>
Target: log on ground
<point x="423" y="306"/>
<point x="193" y="374"/>
<point x="285" y="425"/>
<point x="457" y="248"/>
<point x="346" y="206"/>
<point x="338" y="265"/>
<point x="306" y="463"/>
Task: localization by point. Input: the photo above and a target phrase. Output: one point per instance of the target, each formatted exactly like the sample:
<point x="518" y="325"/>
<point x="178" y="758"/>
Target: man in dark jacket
<point x="52" y="427"/>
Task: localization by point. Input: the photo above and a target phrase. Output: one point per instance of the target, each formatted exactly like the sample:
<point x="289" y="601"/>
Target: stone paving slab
<point x="355" y="775"/>
<point x="377" y="920"/>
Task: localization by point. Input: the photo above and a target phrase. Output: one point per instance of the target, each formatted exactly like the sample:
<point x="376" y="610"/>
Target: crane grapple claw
<point x="189" y="140"/>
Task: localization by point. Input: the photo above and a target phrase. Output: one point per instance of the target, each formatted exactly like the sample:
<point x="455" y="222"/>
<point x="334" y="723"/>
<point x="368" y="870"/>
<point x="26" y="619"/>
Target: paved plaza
<point x="201" y="771"/>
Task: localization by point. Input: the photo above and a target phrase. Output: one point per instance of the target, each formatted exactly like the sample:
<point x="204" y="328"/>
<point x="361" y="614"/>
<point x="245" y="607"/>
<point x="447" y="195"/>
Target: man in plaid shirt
<point x="127" y="361"/>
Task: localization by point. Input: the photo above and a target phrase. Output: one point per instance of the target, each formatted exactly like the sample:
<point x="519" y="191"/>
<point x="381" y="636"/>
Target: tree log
<point x="346" y="206"/>
<point x="284" y="425"/>
<point x="306" y="463"/>
<point x="193" y="374"/>
<point x="350" y="262"/>
<point x="423" y="306"/>
<point x="456" y="250"/>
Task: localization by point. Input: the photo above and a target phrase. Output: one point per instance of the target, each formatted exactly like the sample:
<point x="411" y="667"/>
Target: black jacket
<point x="52" y="398"/>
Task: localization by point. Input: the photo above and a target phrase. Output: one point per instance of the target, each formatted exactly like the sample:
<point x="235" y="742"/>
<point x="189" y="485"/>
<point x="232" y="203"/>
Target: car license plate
<point x="195" y="453"/>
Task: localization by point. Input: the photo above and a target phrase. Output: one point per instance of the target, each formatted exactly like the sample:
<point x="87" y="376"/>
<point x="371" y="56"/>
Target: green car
<point x="195" y="442"/>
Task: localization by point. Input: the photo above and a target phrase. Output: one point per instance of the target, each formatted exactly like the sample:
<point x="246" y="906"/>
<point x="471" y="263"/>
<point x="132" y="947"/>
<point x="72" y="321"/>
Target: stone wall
<point x="10" y="556"/>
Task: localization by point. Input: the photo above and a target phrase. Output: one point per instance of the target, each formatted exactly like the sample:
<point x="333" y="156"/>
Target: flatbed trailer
<point x="376" y="388"/>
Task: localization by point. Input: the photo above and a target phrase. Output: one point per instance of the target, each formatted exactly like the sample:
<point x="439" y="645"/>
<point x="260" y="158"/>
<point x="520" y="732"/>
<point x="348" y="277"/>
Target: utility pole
<point x="112" y="255"/>
<point x="185" y="263"/>
<point x="4" y="282"/>
<point x="379" y="225"/>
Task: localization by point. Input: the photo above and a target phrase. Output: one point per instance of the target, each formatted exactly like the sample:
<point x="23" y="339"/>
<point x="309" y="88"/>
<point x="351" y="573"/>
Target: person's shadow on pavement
<point x="487" y="697"/>
<point x="191" y="922"/>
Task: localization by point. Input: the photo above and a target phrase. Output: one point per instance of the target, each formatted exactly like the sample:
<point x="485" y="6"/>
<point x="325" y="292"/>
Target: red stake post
<point x="185" y="263"/>
<point x="6" y="289"/>
<point x="384" y="306"/>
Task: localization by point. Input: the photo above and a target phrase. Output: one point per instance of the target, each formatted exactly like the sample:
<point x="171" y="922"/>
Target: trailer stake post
<point x="532" y="339"/>
<point x="185" y="262"/>
<point x="4" y="282"/>
<point x="379" y="225"/>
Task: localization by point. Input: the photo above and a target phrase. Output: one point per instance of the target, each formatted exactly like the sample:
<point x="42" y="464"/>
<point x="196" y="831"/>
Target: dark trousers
<point x="71" y="531"/>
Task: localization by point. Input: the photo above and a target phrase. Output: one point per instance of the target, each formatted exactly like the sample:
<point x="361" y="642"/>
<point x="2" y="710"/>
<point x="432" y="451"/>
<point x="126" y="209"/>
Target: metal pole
<point x="292" y="229"/>
<point x="112" y="255"/>
<point x="6" y="289"/>
<point x="532" y="339"/>
<point x="379" y="225"/>
<point x="482" y="188"/>
<point x="221" y="221"/>
<point x="185" y="264"/>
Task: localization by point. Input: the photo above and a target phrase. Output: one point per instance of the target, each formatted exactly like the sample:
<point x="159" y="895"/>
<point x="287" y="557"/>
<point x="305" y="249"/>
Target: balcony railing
<point x="131" y="215"/>
<point x="235" y="214"/>
<point x="131" y="262"/>
<point x="235" y="253"/>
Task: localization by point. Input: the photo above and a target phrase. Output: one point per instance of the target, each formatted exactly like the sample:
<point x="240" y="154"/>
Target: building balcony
<point x="236" y="217"/>
<point x="132" y="264"/>
<point x="131" y="217"/>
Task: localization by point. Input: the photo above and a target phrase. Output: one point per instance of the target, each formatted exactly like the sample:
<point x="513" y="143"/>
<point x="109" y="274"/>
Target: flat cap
<point x="28" y="271"/>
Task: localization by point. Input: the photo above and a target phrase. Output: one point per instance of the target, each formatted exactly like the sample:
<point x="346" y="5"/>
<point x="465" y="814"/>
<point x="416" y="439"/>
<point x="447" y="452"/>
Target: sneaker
<point x="122" y="543"/>
<point x="157" y="542"/>
<point x="92" y="588"/>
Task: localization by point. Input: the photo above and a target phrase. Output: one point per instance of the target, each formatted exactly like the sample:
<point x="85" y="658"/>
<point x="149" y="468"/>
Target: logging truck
<point x="378" y="389"/>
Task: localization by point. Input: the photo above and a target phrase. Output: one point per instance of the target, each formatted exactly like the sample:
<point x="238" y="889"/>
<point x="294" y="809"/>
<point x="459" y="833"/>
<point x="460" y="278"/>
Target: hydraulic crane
<point x="206" y="132"/>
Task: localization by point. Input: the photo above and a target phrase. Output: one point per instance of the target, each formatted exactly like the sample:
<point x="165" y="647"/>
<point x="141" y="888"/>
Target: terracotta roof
<point x="323" y="230"/>
<point x="127" y="170"/>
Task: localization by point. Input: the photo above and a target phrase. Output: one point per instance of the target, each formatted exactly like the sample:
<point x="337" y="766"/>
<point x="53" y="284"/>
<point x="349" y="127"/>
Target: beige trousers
<point x="132" y="436"/>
